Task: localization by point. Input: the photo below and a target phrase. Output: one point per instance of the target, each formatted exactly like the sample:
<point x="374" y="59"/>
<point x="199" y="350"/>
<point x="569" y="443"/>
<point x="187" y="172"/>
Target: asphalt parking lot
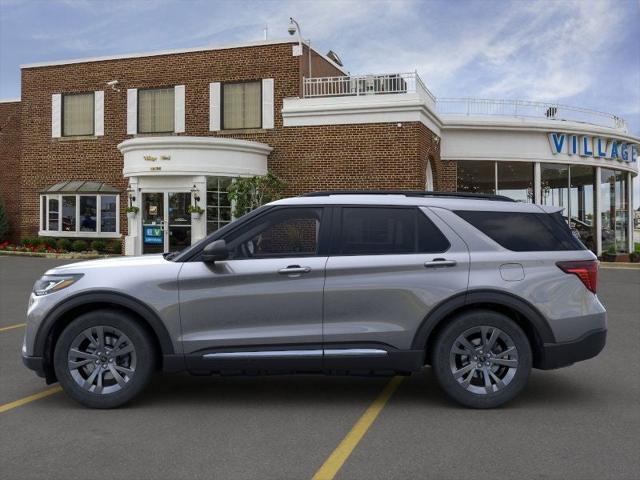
<point x="581" y="422"/>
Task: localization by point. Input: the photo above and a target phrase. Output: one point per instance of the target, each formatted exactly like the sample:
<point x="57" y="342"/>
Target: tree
<point x="4" y="222"/>
<point x="249" y="193"/>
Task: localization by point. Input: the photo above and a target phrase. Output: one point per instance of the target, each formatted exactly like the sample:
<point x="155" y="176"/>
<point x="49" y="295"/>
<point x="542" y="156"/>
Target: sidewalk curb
<point x="59" y="256"/>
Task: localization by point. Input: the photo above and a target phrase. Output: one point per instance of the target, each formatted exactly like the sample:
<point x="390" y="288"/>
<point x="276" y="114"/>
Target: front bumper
<point x="36" y="364"/>
<point x="557" y="355"/>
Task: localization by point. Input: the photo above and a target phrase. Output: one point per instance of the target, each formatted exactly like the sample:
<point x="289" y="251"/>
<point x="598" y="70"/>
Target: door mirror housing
<point x="215" y="251"/>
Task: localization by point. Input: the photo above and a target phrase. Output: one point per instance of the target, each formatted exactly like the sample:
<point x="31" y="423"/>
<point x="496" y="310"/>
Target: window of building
<point x="286" y="232"/>
<point x="375" y="231"/>
<point x="156" y="110"/>
<point x="477" y="176"/>
<point x="524" y="232"/>
<point x="241" y="105"/>
<point x="78" y="114"/>
<point x="614" y="210"/>
<point x="67" y="212"/>
<point x="218" y="203"/>
<point x="554" y="182"/>
<point x="515" y="180"/>
<point x="581" y="204"/>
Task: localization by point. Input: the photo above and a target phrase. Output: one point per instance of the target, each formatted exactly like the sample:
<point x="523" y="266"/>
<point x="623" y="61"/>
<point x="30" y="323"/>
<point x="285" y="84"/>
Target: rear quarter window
<point x="524" y="232"/>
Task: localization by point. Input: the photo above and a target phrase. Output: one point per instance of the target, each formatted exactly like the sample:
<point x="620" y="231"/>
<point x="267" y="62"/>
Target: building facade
<point x="162" y="131"/>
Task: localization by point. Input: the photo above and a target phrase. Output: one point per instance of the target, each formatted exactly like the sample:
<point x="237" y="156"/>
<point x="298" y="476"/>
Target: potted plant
<point x="195" y="211"/>
<point x="131" y="212"/>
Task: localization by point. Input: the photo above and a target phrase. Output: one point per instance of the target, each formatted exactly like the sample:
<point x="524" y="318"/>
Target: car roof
<point x="399" y="199"/>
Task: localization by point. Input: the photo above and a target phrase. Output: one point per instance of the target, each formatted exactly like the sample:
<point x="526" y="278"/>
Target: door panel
<point x="267" y="296"/>
<point x="385" y="298"/>
<point x="153" y="222"/>
<point x="179" y="221"/>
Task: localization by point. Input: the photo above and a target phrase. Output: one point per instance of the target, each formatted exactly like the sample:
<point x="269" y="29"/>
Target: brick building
<point x="163" y="130"/>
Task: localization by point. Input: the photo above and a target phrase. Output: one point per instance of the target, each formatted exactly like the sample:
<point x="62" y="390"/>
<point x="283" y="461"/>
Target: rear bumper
<point x="557" y="355"/>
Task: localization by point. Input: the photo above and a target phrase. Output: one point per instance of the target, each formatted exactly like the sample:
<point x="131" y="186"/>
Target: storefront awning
<point x="81" y="186"/>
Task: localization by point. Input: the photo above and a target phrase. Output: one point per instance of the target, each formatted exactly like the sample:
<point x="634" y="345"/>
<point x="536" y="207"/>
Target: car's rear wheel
<point x="103" y="359"/>
<point x="482" y="359"/>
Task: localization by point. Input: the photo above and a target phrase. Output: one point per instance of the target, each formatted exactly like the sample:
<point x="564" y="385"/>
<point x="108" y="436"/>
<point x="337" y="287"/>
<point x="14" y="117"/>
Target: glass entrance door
<point x="179" y="221"/>
<point x="166" y="225"/>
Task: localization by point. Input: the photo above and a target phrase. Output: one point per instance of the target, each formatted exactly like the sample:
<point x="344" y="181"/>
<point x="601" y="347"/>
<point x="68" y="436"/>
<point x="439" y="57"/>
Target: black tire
<point x="444" y="360"/>
<point x="141" y="363"/>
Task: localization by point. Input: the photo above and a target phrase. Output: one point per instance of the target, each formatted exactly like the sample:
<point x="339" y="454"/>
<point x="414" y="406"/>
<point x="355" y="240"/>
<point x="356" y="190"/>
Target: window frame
<point x="93" y="117"/>
<point x="336" y="229"/>
<point x="222" y="87"/>
<point x="77" y="233"/>
<point x="159" y="132"/>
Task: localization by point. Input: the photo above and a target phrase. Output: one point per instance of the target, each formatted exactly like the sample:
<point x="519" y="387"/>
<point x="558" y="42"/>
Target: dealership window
<point x="76" y="209"/>
<point x="614" y="210"/>
<point x="515" y="180"/>
<point x="554" y="182"/>
<point x="241" y="105"/>
<point x="78" y="114"/>
<point x="218" y="203"/>
<point x="582" y="204"/>
<point x="477" y="176"/>
<point x="156" y="110"/>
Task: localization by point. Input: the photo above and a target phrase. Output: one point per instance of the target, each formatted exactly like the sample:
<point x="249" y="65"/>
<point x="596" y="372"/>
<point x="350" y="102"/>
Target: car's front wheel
<point x="482" y="359"/>
<point x="103" y="359"/>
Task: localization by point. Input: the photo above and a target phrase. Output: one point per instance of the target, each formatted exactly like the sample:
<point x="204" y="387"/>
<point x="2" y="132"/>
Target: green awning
<point x="81" y="186"/>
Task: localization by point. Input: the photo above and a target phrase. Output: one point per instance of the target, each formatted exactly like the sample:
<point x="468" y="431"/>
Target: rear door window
<point x="524" y="232"/>
<point x="386" y="230"/>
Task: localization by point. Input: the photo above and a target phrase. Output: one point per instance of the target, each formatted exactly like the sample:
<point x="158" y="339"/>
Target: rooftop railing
<point x="401" y="83"/>
<point x="528" y="109"/>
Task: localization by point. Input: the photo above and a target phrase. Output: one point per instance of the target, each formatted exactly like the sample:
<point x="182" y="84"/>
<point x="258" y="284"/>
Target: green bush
<point x="79" y="246"/>
<point x="98" y="245"/>
<point x="47" y="242"/>
<point x="4" y="222"/>
<point x="116" y="247"/>
<point x="28" y="241"/>
<point x="64" y="244"/>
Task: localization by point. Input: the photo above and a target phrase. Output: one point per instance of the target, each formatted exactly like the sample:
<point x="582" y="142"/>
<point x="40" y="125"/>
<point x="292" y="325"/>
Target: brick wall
<point x="10" y="161"/>
<point x="307" y="158"/>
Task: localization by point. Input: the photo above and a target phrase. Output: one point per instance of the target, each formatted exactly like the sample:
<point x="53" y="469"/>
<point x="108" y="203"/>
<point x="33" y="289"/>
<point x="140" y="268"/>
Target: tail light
<point x="586" y="271"/>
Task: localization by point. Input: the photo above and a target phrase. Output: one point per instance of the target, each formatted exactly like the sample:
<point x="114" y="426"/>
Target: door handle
<point x="294" y="269"/>
<point x="440" y="263"/>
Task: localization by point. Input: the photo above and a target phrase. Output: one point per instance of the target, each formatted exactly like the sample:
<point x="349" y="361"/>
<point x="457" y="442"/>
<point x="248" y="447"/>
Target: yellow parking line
<point x="334" y="463"/>
<point x="31" y="398"/>
<point x="11" y="327"/>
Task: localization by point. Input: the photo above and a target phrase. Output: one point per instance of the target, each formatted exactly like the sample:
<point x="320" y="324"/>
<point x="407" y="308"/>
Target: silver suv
<point x="480" y="288"/>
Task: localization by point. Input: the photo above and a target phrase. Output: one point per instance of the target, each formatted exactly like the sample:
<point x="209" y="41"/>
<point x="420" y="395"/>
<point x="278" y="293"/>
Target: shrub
<point x="115" y="247"/>
<point x="98" y="245"/>
<point x="64" y="244"/>
<point x="27" y="241"/>
<point x="4" y="222"/>
<point x="47" y="242"/>
<point x="79" y="246"/>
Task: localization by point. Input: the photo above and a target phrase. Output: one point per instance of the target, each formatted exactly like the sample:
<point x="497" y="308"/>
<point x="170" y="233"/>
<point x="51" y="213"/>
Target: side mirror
<point x="215" y="251"/>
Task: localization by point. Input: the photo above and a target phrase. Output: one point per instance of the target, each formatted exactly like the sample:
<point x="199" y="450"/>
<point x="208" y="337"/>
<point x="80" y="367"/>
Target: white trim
<point x="132" y="111"/>
<point x="171" y="52"/>
<point x="78" y="233"/>
<point x="9" y="100"/>
<point x="98" y="112"/>
<point x="56" y="115"/>
<point x="214" y="107"/>
<point x="268" y="105"/>
<point x="179" y="100"/>
<point x="598" y="208"/>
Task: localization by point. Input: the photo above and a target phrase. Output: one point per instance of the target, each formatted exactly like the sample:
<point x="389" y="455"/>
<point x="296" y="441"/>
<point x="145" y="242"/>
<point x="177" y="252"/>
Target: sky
<point x="584" y="53"/>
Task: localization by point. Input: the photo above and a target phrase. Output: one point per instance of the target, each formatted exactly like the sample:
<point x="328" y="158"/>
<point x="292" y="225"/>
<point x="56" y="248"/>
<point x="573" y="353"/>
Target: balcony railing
<point x="399" y="83"/>
<point x="357" y="85"/>
<point x="528" y="109"/>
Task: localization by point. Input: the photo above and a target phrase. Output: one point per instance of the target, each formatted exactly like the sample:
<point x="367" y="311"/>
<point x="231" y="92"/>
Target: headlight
<point x="52" y="283"/>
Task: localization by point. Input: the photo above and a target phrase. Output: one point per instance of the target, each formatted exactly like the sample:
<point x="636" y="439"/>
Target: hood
<point x="115" y="262"/>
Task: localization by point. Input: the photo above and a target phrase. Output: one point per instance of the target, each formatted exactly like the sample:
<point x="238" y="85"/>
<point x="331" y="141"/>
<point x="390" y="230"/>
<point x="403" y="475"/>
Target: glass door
<point x="153" y="222"/>
<point x="179" y="236"/>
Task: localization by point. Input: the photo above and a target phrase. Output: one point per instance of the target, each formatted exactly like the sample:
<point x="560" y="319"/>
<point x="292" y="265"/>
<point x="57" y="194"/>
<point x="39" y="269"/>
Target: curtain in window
<point x="241" y="105"/>
<point x="156" y="110"/>
<point x="77" y="110"/>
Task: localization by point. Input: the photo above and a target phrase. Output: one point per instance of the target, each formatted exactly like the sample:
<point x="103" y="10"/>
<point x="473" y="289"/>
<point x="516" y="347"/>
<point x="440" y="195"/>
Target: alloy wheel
<point x="483" y="360"/>
<point x="102" y="360"/>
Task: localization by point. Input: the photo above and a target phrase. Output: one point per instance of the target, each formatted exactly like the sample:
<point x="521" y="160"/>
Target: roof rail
<point x="411" y="193"/>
